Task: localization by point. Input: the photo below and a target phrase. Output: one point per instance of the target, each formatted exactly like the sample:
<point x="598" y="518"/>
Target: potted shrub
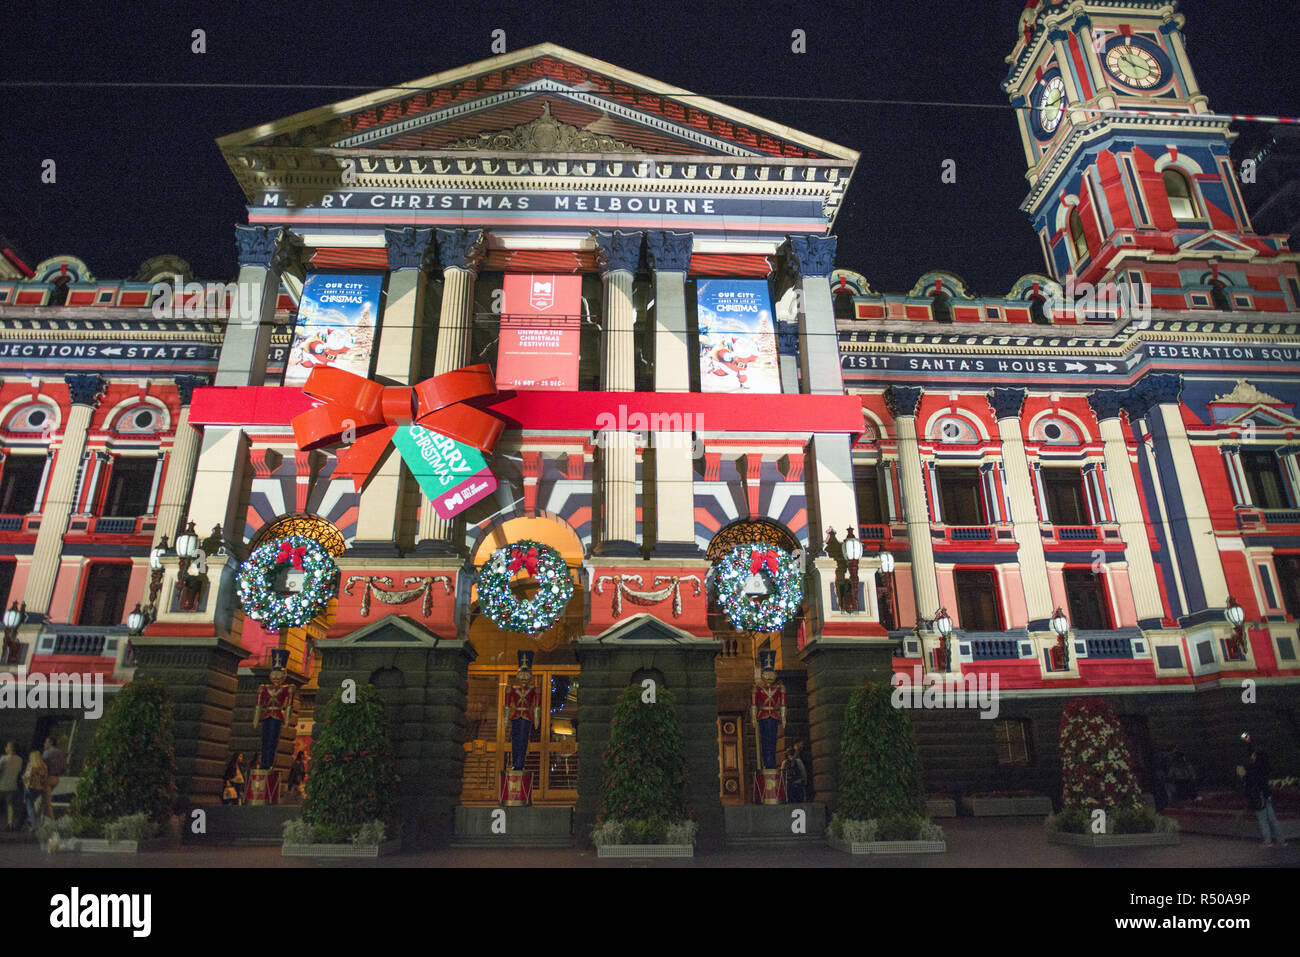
<point x="350" y="808"/>
<point x="1101" y="804"/>
<point x="882" y="806"/>
<point x="643" y="810"/>
<point x="126" y="793"/>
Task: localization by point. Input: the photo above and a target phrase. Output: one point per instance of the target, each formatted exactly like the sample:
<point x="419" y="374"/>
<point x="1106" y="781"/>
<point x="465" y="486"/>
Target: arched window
<point x="1078" y="241"/>
<point x="1220" y="297"/>
<point x="1182" y="201"/>
<point x="1037" y="310"/>
<point x="844" y="305"/>
<point x="939" y="303"/>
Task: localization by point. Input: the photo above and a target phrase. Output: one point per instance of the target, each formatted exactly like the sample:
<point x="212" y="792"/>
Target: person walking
<point x="1254" y="782"/>
<point x="37" y="781"/>
<point x="297" y="772"/>
<point x="11" y="770"/>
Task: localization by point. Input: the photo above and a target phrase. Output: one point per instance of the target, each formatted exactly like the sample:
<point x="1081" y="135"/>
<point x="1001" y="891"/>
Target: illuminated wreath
<point x="527" y="615"/>
<point x="279" y="610"/>
<point x="779" y="572"/>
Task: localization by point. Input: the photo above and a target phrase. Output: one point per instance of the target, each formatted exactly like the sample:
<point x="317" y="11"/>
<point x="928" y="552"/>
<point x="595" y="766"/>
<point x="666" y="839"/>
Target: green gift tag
<point x="453" y="475"/>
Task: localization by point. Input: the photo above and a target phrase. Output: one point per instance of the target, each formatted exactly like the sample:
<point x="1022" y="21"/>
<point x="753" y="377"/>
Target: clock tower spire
<point x="1129" y="174"/>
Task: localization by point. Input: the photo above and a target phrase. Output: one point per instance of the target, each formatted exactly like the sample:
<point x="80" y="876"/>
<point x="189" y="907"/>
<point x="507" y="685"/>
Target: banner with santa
<point x="737" y="336"/>
<point x="337" y="317"/>
<point x="541" y="319"/>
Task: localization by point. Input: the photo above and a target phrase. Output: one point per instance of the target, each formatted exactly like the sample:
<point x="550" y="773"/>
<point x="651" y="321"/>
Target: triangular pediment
<point x="646" y="627"/>
<point x="390" y="630"/>
<point x="1248" y="403"/>
<point x="1213" y="241"/>
<point x="540" y="100"/>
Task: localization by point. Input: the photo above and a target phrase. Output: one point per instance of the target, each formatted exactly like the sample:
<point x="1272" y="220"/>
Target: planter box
<point x="341" y="850"/>
<point x="646" y="850"/>
<point x="1226" y="823"/>
<point x="889" y="847"/>
<point x="1112" y="840"/>
<point x="98" y="845"/>
<point x="1036" y="806"/>
<point x="941" y="807"/>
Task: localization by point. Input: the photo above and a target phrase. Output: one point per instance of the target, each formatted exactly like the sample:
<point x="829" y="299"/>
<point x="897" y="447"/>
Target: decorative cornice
<point x="460" y="248"/>
<point x="409" y="248"/>
<point x="617" y="251"/>
<point x="1246" y="394"/>
<point x="545" y="134"/>
<point x="186" y="384"/>
<point x="85" y="389"/>
<point x="902" y="400"/>
<point x="1007" y="403"/>
<point x="669" y="252"/>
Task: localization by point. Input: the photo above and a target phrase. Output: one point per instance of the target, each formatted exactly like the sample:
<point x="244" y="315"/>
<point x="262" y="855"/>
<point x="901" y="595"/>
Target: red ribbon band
<point x="758" y="559"/>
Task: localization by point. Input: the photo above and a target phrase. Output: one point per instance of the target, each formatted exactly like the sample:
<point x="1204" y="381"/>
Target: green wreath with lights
<point x="525" y="615"/>
<point x="279" y="610"/>
<point x="779" y="570"/>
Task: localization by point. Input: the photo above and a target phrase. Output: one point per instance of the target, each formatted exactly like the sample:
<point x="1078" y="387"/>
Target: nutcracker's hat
<point x="526" y="660"/>
<point x="767" y="661"/>
<point x="279" y="659"/>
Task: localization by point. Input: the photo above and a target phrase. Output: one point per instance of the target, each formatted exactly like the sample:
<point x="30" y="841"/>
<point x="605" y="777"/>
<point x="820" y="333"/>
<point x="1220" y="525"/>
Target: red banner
<point x="540" y="319"/>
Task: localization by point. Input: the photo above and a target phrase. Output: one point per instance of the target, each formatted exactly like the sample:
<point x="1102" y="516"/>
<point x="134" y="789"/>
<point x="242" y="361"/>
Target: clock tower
<point x="1129" y="174"/>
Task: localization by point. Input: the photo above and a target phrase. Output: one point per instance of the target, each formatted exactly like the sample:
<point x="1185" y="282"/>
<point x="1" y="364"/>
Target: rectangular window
<point x="20" y="480"/>
<point x="6" y="582"/>
<point x="590" y="342"/>
<point x="1063" y="490"/>
<point x="960" y="502"/>
<point x="1264" y="476"/>
<point x="866" y="483"/>
<point x="977" y="601"/>
<point x="485" y="322"/>
<point x="129" y="486"/>
<point x="1086" y="591"/>
<point x="1011" y="735"/>
<point x="104" y="600"/>
<point x="1288" y="576"/>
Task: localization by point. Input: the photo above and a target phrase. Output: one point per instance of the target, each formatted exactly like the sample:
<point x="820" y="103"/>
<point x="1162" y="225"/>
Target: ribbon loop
<point x="288" y="553"/>
<point x="523" y="559"/>
<point x="758" y="559"/>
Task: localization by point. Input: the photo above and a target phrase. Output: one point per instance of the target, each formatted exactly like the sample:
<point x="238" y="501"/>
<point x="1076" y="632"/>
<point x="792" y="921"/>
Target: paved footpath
<point x="971" y="843"/>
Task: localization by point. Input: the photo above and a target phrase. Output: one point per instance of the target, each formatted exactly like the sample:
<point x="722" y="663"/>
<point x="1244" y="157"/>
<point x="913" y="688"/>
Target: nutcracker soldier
<point x="767" y="709"/>
<point x="274" y="708"/>
<point x="523" y="712"/>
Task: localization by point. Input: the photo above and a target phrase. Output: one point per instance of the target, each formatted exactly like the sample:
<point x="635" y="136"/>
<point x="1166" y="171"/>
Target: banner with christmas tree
<point x="336" y="325"/>
<point x="737" y="337"/>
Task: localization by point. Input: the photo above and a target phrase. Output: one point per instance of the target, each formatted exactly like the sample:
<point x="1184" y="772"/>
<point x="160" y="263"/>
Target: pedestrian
<point x="1254" y="782"/>
<point x="232" y="782"/>
<point x="804" y="757"/>
<point x="297" y="772"/>
<point x="11" y="770"/>
<point x="36" y="779"/>
<point x="1184" y="777"/>
<point x="796" y="778"/>
<point x="56" y="761"/>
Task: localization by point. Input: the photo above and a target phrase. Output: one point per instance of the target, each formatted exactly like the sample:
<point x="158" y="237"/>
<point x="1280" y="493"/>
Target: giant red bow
<point x="758" y="559"/>
<point x="523" y="559"/>
<point x="367" y="414"/>
<point x="288" y="553"/>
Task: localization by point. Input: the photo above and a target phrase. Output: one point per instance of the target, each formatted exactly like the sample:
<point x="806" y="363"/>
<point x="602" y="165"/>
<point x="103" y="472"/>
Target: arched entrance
<point x="552" y="748"/>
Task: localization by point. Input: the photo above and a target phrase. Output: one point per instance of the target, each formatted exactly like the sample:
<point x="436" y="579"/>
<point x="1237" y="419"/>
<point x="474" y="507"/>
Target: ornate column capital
<point x="617" y="251"/>
<point x="902" y="400"/>
<point x="1152" y="391"/>
<point x="460" y="249"/>
<point x="186" y="384"/>
<point x="809" y="257"/>
<point x="1007" y="403"/>
<point x="409" y="248"/>
<point x="288" y="252"/>
<point x="1107" y="403"/>
<point x="669" y="252"/>
<point x="254" y="245"/>
<point x="1230" y="449"/>
<point x="85" y="389"/>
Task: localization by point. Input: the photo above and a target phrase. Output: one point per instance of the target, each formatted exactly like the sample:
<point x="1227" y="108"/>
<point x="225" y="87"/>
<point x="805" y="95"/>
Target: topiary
<point x="1096" y="765"/>
<point x="644" y="774"/>
<point x="352" y="780"/>
<point x="880" y="768"/>
<point x="131" y="765"/>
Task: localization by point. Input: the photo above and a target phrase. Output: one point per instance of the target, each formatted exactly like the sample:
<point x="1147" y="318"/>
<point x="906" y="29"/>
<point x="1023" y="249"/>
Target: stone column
<point x="674" y="475"/>
<point x="459" y="253"/>
<point x="1006" y="405"/>
<point x="808" y="262"/>
<point x="85" y="391"/>
<point x="1127" y="502"/>
<point x="1195" y="546"/>
<point x="264" y="252"/>
<point x="618" y="254"/>
<point x="180" y="465"/>
<point x="397" y="362"/>
<point x="903" y="403"/>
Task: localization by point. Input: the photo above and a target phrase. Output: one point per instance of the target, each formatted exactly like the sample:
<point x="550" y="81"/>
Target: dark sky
<point x="139" y="173"/>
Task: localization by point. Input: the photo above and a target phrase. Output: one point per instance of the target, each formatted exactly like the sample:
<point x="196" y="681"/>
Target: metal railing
<point x="1109" y="647"/>
<point x="989" y="649"/>
<point x="79" y="644"/>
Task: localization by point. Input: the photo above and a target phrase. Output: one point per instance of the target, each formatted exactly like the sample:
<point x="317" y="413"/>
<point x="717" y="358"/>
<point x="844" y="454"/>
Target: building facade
<point x="1111" y="443"/>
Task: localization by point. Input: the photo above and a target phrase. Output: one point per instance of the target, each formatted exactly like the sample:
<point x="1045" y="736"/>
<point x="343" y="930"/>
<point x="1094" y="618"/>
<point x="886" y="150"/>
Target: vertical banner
<point x="737" y="337"/>
<point x="540" y="332"/>
<point x="336" y="324"/>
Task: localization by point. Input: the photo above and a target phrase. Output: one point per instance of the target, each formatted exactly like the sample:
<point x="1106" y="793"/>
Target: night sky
<point x="139" y="173"/>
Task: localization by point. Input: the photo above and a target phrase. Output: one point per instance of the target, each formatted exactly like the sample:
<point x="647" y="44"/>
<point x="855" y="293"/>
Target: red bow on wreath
<point x="521" y="559"/>
<point x="758" y="559"/>
<point x="290" y="554"/>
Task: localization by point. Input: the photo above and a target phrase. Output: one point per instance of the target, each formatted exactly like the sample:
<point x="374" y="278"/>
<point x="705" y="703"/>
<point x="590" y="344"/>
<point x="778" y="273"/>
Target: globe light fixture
<point x="852" y="554"/>
<point x="136" y="621"/>
<point x="1236" y="616"/>
<point x="1060" y="624"/>
<point x="1061" y="651"/>
<point x="943" y="625"/>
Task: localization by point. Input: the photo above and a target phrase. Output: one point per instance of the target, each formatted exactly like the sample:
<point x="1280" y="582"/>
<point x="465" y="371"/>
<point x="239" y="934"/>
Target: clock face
<point x="1134" y="66"/>
<point x="1051" y="105"/>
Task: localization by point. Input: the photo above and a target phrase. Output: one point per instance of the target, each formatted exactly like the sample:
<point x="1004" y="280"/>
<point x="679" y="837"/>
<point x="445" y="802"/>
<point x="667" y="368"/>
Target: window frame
<point x="1000" y="624"/>
<point x="1193" y="207"/>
